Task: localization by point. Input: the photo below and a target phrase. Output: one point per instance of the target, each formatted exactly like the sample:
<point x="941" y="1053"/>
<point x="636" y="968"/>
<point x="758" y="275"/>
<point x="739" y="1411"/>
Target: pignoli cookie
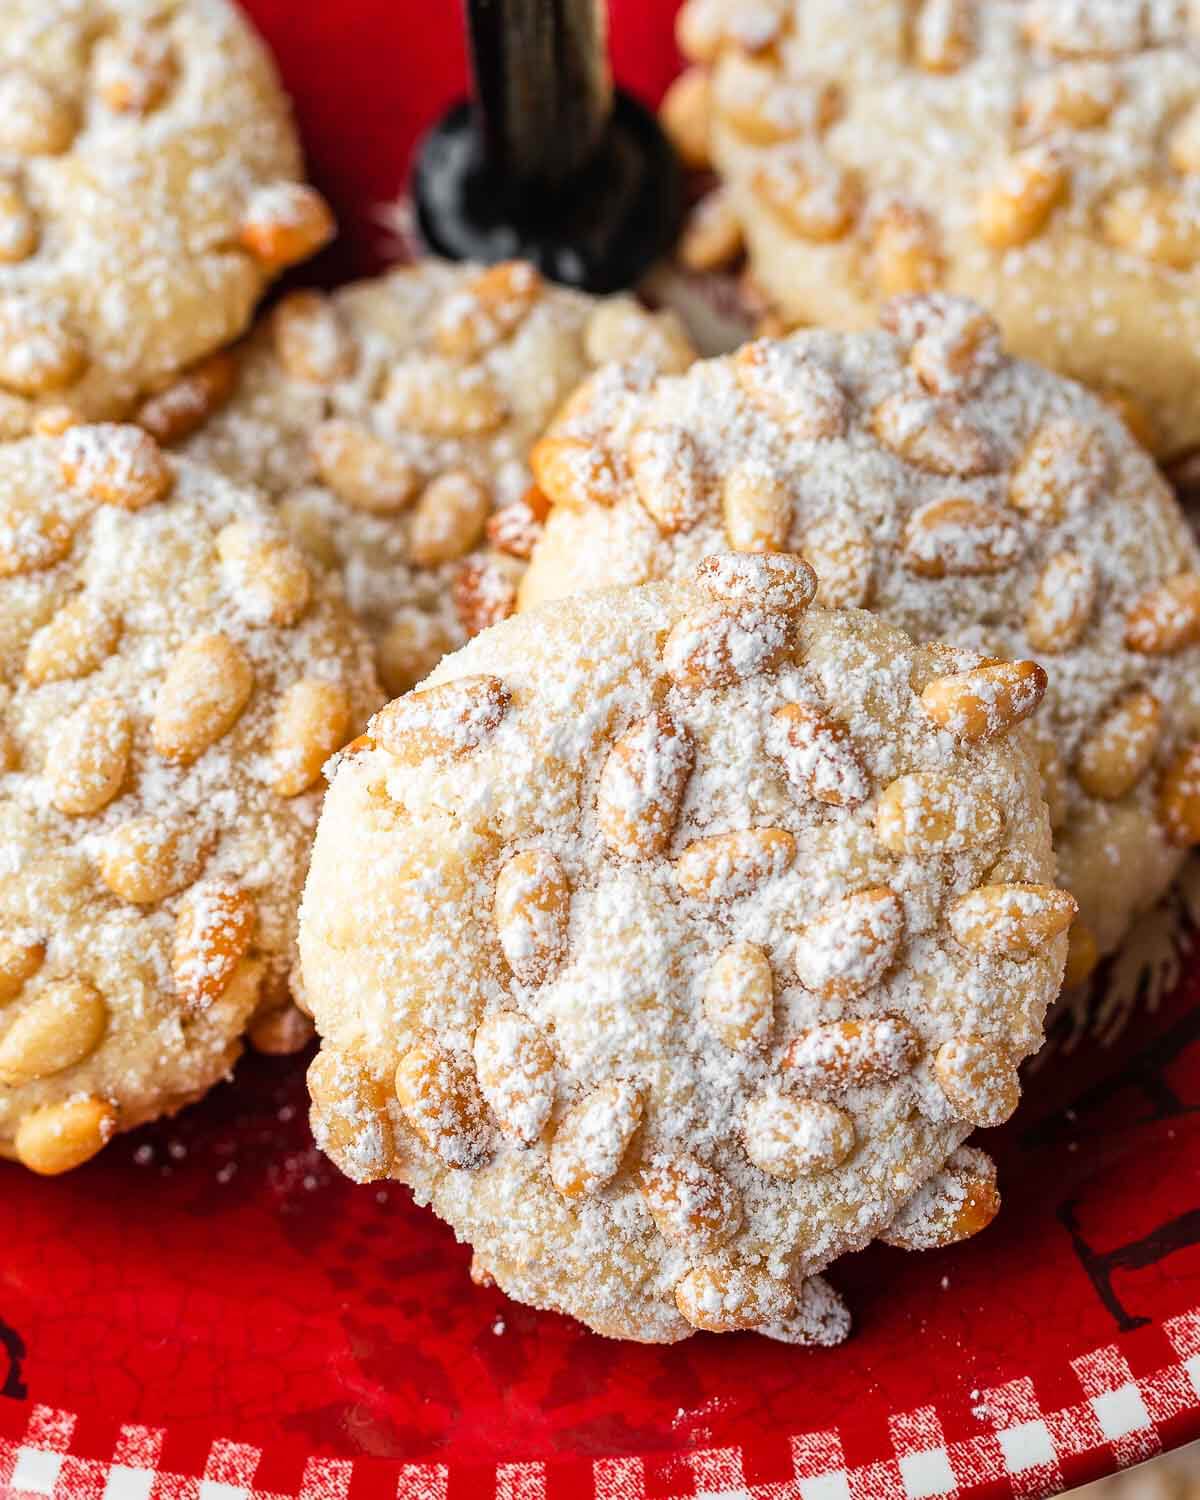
<point x="1038" y="155"/>
<point x="148" y="193"/>
<point x="965" y="496"/>
<point x="685" y="950"/>
<point x="172" y="678"/>
<point x="391" y="423"/>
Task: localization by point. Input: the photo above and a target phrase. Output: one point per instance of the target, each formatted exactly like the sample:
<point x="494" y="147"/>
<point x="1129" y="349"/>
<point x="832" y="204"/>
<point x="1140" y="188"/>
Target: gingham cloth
<point x="1019" y="1447"/>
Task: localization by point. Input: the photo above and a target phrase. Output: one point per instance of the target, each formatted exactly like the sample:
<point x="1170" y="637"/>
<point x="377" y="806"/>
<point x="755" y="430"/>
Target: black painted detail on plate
<point x="1176" y="1234"/>
<point x="12" y="1356"/>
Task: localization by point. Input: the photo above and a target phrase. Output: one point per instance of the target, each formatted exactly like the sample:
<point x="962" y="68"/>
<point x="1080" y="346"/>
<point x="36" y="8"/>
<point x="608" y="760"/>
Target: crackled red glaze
<point x="209" y="1301"/>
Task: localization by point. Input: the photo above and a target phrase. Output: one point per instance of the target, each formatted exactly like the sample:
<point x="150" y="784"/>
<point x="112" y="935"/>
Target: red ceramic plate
<point x="209" y="1312"/>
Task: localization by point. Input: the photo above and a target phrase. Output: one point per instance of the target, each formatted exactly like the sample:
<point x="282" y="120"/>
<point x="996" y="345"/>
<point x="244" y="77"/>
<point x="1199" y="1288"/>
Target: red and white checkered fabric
<point x="1007" y="1442"/>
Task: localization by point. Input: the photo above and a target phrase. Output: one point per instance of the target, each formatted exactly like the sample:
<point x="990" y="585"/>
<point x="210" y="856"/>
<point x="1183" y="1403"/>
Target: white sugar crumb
<point x="614" y="1178"/>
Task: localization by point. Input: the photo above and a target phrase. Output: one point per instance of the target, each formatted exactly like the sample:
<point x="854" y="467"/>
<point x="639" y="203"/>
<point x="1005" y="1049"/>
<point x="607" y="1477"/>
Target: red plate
<point x="209" y="1312"/>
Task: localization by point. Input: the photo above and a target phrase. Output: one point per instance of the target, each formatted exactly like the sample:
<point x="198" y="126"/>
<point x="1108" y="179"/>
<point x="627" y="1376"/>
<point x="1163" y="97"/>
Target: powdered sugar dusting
<point x="627" y="1182"/>
<point x="1002" y="151"/>
<point x="386" y="460"/>
<point x="1014" y="515"/>
<point x="134" y="139"/>
<point x="111" y="850"/>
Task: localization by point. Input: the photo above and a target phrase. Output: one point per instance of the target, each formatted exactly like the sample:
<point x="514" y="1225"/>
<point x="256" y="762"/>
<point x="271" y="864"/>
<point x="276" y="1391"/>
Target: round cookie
<point x="391" y="423"/>
<point x="1006" y="150"/>
<point x="965" y="496"/>
<point x="172" y="678"/>
<point x="685" y="950"/>
<point x="148" y="194"/>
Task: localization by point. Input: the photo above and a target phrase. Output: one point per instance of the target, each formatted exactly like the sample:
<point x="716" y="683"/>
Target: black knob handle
<point x="547" y="162"/>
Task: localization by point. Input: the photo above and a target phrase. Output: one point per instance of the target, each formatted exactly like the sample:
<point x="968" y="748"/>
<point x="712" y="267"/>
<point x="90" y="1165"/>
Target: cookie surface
<point x="172" y="677"/>
<point x="1004" y="150"/>
<point x="964" y="495"/>
<point x="685" y="949"/>
<point x="391" y="424"/>
<point x="148" y="193"/>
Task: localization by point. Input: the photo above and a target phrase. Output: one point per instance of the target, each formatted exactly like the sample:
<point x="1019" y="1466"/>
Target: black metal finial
<point x="548" y="162"/>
